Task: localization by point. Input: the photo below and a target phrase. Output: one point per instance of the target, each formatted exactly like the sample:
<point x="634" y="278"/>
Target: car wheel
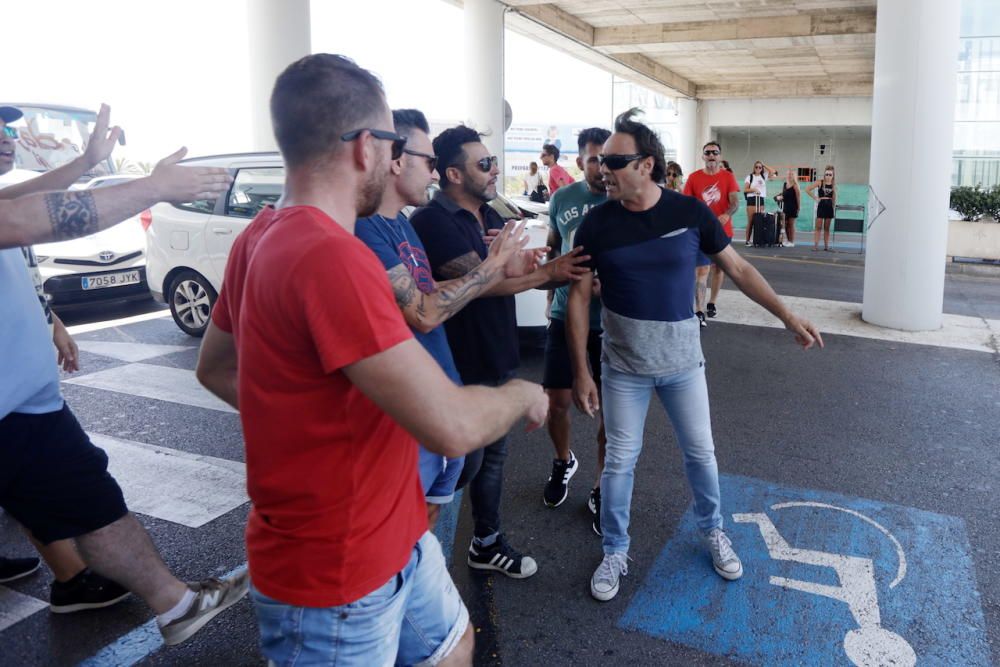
<point x="191" y="298"/>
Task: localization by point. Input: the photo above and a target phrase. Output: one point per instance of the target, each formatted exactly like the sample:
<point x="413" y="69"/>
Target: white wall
<point x="787" y="111"/>
<point x="850" y="155"/>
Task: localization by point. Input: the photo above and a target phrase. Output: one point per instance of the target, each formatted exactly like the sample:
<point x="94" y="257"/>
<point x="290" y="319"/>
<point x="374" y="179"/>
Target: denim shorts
<point x="415" y="618"/>
<point x="438" y="476"/>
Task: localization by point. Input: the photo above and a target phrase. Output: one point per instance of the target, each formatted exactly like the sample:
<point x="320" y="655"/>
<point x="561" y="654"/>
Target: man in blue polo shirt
<point x="644" y="244"/>
<point x="426" y="304"/>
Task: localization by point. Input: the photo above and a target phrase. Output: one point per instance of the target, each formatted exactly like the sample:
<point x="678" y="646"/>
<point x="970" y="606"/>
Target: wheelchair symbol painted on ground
<point x="870" y="644"/>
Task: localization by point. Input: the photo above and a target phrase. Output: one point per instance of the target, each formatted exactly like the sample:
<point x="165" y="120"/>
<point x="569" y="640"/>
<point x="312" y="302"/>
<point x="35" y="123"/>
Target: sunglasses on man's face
<point x="616" y="162"/>
<point x="711" y="152"/>
<point x="9" y="131"/>
<point x="487" y="163"/>
<point x="432" y="160"/>
<point x="398" y="142"/>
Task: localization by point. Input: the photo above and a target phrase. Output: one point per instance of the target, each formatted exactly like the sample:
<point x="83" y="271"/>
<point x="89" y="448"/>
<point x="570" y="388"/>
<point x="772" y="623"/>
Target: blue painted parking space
<point x="829" y="580"/>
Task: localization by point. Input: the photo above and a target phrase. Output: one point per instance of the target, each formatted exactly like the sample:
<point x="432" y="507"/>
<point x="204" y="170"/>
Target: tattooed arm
<point x="734" y="205"/>
<point x="61" y="216"/>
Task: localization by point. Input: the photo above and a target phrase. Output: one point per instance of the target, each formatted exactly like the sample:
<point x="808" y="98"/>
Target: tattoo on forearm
<point x="460" y="266"/>
<point x="456" y="294"/>
<point x="403" y="286"/>
<point x="72" y="214"/>
<point x="734" y="203"/>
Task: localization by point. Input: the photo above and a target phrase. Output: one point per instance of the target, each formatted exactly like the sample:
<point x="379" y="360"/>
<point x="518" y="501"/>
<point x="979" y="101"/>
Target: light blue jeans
<point x="416" y="618"/>
<point x="625" y="398"/>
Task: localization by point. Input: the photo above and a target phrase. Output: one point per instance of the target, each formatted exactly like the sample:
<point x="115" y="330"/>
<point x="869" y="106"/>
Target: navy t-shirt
<point x="395" y="242"/>
<point x="483" y="335"/>
<point x="646" y="261"/>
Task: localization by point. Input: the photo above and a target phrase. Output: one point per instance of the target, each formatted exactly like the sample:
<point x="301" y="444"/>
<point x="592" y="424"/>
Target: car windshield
<point x="52" y="136"/>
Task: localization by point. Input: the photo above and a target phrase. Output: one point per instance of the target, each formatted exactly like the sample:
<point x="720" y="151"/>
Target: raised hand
<point x="566" y="268"/>
<point x="177" y="184"/>
<point x="507" y="242"/>
<point x="102" y="141"/>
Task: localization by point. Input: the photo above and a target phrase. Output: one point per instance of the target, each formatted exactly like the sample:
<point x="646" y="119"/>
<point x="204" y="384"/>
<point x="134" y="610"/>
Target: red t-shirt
<point x="337" y="502"/>
<point x="558" y="177"/>
<point x="714" y="191"/>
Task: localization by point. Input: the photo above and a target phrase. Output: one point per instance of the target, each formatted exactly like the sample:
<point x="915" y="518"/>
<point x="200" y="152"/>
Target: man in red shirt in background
<point x="307" y="341"/>
<point x="718" y="189"/>
<point x="558" y="176"/>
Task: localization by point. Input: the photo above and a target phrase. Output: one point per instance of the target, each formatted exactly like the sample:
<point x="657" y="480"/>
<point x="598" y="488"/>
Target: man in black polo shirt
<point x="483" y="336"/>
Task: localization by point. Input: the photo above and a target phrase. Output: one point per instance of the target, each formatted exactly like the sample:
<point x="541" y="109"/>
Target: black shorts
<point x="558" y="367"/>
<point x="824" y="209"/>
<point x="53" y="480"/>
<point x="757" y="201"/>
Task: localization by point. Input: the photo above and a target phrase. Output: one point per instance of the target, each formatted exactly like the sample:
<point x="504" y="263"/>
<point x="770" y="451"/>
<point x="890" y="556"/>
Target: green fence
<point x="847" y="194"/>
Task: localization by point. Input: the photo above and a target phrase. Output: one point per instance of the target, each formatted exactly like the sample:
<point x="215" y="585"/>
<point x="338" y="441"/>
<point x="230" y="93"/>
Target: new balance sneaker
<point x="607" y="577"/>
<point x="15" y="568"/>
<point x="87" y="590"/>
<point x="212" y="596"/>
<point x="711" y="311"/>
<point x="725" y="561"/>
<point x="503" y="558"/>
<point x="701" y="319"/>
<point x="557" y="488"/>
<point x="594" y="505"/>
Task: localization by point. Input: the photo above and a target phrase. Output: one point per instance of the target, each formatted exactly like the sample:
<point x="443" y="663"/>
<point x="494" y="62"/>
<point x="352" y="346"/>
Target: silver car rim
<point x="191" y="303"/>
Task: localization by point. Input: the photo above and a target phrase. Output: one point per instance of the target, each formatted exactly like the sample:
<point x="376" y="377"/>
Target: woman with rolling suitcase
<point x="755" y="190"/>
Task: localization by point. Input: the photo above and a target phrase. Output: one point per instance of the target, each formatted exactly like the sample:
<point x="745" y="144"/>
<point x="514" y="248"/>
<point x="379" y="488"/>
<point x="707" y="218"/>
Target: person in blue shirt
<point x="426" y="304"/>
<point x="644" y="244"/>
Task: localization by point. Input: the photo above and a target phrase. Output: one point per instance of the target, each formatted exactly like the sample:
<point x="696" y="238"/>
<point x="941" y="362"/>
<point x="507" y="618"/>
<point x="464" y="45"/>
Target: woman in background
<point x="674" y="177"/>
<point x="532" y="179"/>
<point x="824" y="191"/>
<point x="755" y="191"/>
<point x="790" y="198"/>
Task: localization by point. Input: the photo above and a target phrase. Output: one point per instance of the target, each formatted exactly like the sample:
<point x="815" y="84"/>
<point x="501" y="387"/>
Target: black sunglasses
<point x="397" y="141"/>
<point x="487" y="163"/>
<point x="711" y="152"/>
<point x="616" y="162"/>
<point x="673" y="174"/>
<point x="432" y="160"/>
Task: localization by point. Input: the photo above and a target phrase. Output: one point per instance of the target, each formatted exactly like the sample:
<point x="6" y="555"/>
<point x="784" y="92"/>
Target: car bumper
<point x="66" y="291"/>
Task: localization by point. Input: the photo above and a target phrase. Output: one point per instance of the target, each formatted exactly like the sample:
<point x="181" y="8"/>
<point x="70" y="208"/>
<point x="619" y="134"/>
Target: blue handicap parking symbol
<point x="828" y="580"/>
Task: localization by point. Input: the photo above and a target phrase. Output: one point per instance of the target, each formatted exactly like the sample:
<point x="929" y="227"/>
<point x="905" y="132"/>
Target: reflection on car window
<point x="200" y="206"/>
<point x="254" y="189"/>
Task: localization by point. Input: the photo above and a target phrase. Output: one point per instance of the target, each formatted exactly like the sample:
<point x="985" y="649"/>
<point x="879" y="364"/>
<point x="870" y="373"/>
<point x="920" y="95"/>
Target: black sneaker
<point x="557" y="488"/>
<point x="15" y="568"/>
<point x="711" y="311"/>
<point x="87" y="590"/>
<point x="701" y="319"/>
<point x="503" y="558"/>
<point x="594" y="504"/>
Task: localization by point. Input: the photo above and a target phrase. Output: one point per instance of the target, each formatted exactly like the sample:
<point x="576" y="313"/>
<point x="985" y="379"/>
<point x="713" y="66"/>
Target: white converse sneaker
<point x="604" y="583"/>
<point x="725" y="561"/>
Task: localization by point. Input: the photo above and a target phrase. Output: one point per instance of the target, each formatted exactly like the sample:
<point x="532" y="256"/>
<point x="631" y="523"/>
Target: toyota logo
<point x="106" y="255"/>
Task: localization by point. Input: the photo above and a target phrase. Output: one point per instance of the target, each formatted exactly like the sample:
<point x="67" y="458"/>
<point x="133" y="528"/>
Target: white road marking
<point x="111" y="324"/>
<point x="843" y="318"/>
<point x="172" y="485"/>
<point x="15" y="607"/>
<point x="163" y="383"/>
<point x="131" y="352"/>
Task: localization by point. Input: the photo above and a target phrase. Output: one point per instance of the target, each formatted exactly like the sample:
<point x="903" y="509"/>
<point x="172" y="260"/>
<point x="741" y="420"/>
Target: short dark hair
<point x="713" y="143"/>
<point x="592" y="135"/>
<point x="316" y="100"/>
<point x="552" y="150"/>
<point x="449" y="151"/>
<point x="407" y="120"/>
<point x="647" y="142"/>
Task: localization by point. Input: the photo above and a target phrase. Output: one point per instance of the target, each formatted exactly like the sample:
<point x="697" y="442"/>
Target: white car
<point x="188" y="244"/>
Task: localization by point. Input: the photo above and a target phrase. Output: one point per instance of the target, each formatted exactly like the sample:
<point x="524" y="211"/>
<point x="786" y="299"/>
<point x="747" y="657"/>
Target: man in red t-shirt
<point x="307" y="341"/>
<point x="558" y="176"/>
<point x="717" y="187"/>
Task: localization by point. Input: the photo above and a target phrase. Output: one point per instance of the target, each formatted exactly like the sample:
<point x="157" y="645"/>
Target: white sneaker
<point x="604" y="583"/>
<point x="788" y="244"/>
<point x="725" y="561"/>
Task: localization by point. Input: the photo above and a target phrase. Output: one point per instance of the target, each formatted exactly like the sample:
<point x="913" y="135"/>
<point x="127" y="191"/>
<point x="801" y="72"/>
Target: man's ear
<point x="579" y="162"/>
<point x="454" y="175"/>
<point x="396" y="167"/>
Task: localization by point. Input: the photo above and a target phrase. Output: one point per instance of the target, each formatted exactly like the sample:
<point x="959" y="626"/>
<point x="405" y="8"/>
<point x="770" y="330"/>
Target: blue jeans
<point x="625" y="398"/>
<point x="438" y="476"/>
<point x="416" y="618"/>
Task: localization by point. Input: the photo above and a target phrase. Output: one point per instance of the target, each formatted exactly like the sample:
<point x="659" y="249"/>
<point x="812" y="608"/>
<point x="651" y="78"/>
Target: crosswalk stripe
<point x="15" y="607"/>
<point x="131" y="352"/>
<point x="163" y="383"/>
<point x="172" y="485"/>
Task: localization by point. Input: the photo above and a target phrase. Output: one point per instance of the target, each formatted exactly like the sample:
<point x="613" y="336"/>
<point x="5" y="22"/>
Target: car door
<point x="253" y="188"/>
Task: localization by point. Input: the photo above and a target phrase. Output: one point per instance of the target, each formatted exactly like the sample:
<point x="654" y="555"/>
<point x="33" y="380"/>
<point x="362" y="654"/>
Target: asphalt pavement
<point x="858" y="481"/>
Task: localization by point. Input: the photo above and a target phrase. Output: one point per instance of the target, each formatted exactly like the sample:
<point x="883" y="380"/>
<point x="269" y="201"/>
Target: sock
<point x="485" y="542"/>
<point x="177" y="610"/>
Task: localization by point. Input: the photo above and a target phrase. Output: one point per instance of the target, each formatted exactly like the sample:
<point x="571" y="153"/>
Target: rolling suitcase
<point x="765" y="230"/>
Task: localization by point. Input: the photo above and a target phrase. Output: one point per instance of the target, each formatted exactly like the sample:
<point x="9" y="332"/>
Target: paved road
<point x="904" y="435"/>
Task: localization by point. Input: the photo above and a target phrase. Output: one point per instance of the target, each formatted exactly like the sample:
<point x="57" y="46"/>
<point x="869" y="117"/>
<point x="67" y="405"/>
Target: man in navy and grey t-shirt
<point x="644" y="244"/>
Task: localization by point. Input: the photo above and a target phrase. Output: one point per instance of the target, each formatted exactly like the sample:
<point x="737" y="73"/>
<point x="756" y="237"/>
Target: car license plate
<point x="110" y="280"/>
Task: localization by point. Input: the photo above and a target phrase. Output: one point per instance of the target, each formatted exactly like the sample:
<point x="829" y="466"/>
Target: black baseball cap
<point x="10" y="114"/>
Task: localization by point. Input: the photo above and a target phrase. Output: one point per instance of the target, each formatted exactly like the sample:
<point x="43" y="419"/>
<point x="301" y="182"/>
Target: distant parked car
<point x="188" y="244"/>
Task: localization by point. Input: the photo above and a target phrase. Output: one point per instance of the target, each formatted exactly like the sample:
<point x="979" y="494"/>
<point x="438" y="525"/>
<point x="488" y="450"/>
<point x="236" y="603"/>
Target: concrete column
<point x="913" y="113"/>
<point x="483" y="56"/>
<point x="279" y="34"/>
<point x="687" y="135"/>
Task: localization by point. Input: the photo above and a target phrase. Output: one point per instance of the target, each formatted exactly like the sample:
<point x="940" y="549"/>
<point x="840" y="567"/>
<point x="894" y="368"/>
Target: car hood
<point x="123" y="238"/>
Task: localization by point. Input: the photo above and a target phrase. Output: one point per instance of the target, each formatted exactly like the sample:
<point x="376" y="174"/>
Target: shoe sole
<point x="83" y="606"/>
<point x="728" y="576"/>
<point x="22" y="575"/>
<point x="604" y="597"/>
<point x="197" y="624"/>
<point x="597" y="531"/>
<point x="565" y="493"/>
<point x="486" y="566"/>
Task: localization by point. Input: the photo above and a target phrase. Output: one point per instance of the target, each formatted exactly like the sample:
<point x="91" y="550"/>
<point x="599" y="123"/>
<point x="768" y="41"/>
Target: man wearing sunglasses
<point x="566" y="211"/>
<point x="717" y="187"/>
<point x="644" y="243"/>
<point x="558" y="176"/>
<point x="427" y="304"/>
<point x="483" y="336"/>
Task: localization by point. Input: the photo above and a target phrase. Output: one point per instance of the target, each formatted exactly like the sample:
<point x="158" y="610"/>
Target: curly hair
<point x="646" y="141"/>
